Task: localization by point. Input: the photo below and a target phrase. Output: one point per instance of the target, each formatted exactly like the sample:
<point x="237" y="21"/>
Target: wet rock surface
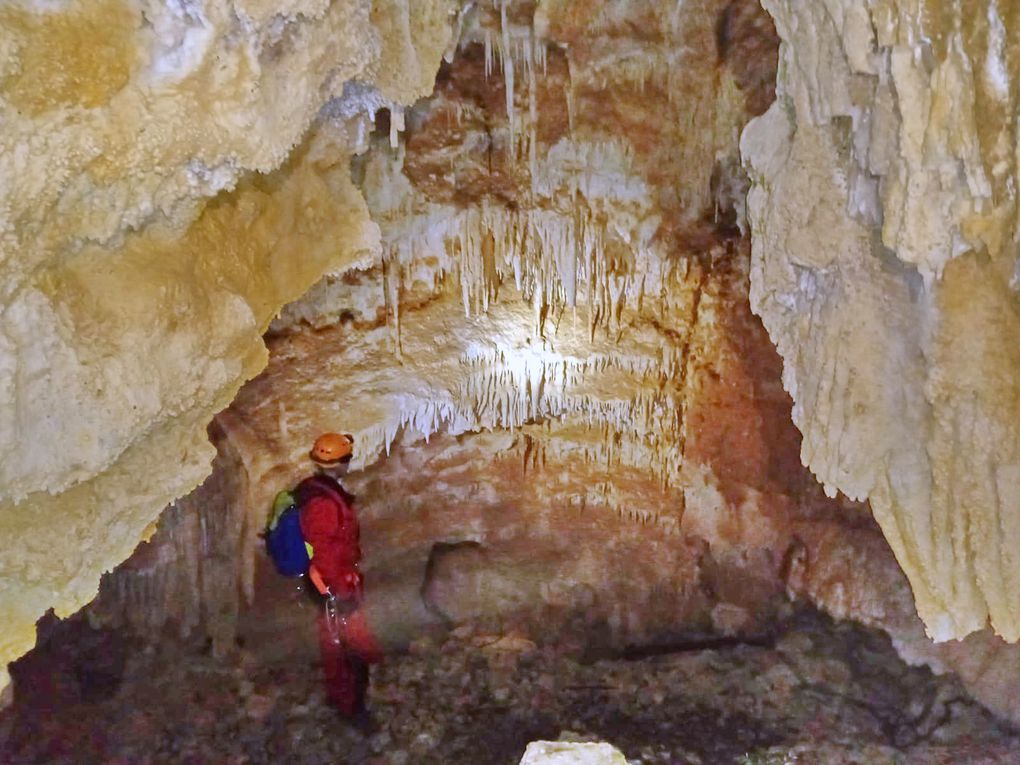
<point x="814" y="692"/>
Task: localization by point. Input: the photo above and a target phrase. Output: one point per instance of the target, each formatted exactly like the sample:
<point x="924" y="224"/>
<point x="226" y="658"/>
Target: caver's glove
<point x="347" y="587"/>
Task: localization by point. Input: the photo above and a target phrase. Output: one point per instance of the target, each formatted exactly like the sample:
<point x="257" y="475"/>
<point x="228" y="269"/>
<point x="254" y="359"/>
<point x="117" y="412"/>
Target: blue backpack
<point x="284" y="541"/>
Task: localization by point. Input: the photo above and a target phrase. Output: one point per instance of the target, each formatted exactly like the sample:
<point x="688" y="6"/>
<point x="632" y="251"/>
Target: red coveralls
<point x="330" y="525"/>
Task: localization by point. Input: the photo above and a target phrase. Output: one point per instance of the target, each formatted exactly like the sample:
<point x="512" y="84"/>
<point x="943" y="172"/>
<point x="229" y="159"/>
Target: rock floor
<point x="817" y="692"/>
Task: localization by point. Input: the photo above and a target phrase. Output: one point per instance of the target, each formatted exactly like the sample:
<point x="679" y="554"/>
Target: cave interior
<point x="591" y="285"/>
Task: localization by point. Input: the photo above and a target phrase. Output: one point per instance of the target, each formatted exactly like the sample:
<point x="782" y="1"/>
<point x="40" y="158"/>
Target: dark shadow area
<point x="825" y="691"/>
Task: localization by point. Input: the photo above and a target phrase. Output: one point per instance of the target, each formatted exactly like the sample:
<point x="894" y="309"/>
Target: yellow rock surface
<point x="141" y="258"/>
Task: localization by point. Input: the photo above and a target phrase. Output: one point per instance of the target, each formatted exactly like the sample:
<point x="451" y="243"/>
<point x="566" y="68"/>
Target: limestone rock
<point x="884" y="221"/>
<point x="569" y="753"/>
<point x="162" y="199"/>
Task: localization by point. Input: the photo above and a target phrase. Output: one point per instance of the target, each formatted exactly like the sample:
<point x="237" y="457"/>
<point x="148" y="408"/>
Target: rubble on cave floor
<point x="816" y="692"/>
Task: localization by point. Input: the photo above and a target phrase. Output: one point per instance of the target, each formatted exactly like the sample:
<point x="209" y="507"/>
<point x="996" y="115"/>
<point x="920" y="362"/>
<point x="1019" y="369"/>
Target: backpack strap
<point x="322" y="485"/>
<point x="283" y="500"/>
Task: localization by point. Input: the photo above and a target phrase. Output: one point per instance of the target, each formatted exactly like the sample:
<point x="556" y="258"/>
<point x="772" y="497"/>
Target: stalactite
<point x="533" y="47"/>
<point x="396" y="124"/>
<point x="507" y="61"/>
<point x="542" y="252"/>
<point x="392" y="283"/>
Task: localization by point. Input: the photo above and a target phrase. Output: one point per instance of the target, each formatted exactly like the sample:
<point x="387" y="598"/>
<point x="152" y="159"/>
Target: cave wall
<point x="162" y="200"/>
<point x="883" y="214"/>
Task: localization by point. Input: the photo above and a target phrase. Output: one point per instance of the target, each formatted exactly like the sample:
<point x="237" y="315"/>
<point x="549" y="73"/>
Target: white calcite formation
<point x="160" y="202"/>
<point x="571" y="753"/>
<point x="885" y="222"/>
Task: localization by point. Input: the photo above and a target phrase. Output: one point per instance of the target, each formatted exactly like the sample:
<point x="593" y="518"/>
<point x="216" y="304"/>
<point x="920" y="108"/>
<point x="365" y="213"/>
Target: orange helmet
<point x="331" y="448"/>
